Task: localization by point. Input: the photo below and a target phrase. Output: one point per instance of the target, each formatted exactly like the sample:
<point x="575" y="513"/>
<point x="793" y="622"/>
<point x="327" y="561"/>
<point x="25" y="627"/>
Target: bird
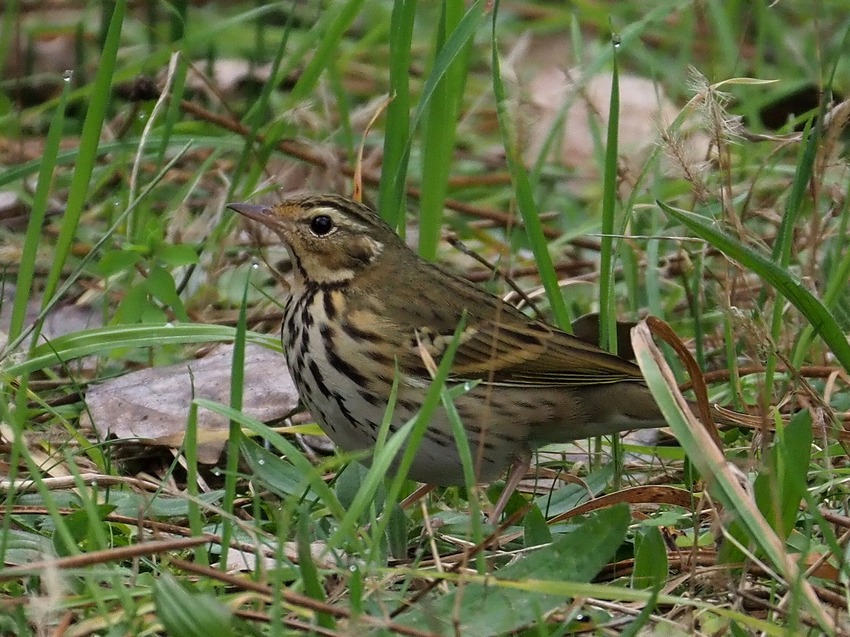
<point x="362" y="308"/>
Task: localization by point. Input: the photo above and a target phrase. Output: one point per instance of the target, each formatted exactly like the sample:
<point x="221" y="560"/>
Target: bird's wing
<point x="508" y="348"/>
<point x="499" y="344"/>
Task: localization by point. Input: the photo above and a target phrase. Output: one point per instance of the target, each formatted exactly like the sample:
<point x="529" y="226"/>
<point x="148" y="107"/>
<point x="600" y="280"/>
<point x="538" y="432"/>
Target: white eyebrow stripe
<point x="339" y="217"/>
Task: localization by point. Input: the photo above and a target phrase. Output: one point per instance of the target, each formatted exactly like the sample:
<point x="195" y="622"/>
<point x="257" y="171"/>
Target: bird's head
<point x="330" y="238"/>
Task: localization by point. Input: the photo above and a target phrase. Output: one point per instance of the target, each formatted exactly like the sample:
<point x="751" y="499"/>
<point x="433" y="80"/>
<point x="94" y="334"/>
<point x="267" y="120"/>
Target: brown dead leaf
<point x="62" y="319"/>
<point x="650" y="494"/>
<point x="153" y="404"/>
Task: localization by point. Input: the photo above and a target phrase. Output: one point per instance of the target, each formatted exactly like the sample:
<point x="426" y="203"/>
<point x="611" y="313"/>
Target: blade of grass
<point x="607" y="301"/>
<point x="783" y="281"/>
<point x="781" y="253"/>
<point x="397" y="137"/>
<point x="453" y="47"/>
<point x="102" y="340"/>
<point x="607" y="305"/>
<point x="38" y="212"/>
<point x="89" y="141"/>
<point x="524" y="195"/>
<point x="234" y="438"/>
<point x="190" y="451"/>
<point x="438" y="133"/>
<point x="709" y="460"/>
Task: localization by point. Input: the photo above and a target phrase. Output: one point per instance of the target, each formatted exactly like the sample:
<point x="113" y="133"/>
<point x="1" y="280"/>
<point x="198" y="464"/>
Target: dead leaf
<point x="62" y="319"/>
<point x="153" y="404"/>
<point x="651" y="494"/>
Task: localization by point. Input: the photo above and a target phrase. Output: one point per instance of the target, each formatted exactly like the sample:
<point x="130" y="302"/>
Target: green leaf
<point x="348" y="482"/>
<point x="650" y="560"/>
<point x="161" y="286"/>
<point x="780" y="485"/>
<point x="190" y="615"/>
<point x="132" y="307"/>
<point x="495" y="610"/>
<point x="571" y="495"/>
<point x="535" y="529"/>
<point x="274" y="473"/>
<point x="177" y="255"/>
<point x="397" y="532"/>
<point x="115" y="261"/>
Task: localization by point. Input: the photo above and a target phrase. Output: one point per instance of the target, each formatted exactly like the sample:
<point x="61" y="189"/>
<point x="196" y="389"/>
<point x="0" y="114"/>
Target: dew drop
<point x="68" y="75"/>
<point x="261" y="462"/>
<point x="255" y="266"/>
<point x="616" y="40"/>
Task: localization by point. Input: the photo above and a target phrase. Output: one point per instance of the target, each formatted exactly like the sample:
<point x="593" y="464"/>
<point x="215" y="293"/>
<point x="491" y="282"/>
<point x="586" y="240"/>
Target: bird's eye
<point x="320" y="225"/>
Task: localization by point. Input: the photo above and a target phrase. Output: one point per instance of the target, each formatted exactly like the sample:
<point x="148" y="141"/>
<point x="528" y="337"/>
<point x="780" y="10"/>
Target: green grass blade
<point x="234" y="438"/>
<point x="720" y="479"/>
<point x="190" y="451"/>
<point x="438" y="134"/>
<point x="525" y="196"/>
<point x="103" y="340"/>
<point x="89" y="141"/>
<point x="37" y="215"/>
<point x="607" y="301"/>
<point x="783" y="281"/>
<point x="453" y="47"/>
<point x="397" y="136"/>
<point x="333" y="26"/>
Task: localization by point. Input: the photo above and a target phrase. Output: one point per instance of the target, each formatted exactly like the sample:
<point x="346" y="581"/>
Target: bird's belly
<point x="353" y="424"/>
<point x="347" y="391"/>
<point x="351" y="416"/>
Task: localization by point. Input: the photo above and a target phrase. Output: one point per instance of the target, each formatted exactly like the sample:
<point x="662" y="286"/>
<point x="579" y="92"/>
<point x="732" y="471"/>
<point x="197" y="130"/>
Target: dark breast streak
<point x="322" y="374"/>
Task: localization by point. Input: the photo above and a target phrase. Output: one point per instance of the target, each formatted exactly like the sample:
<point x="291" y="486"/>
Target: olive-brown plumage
<point x="362" y="304"/>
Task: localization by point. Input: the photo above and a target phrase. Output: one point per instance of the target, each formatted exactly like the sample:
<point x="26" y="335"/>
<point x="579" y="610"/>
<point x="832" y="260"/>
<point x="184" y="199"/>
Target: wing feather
<point x="500" y="344"/>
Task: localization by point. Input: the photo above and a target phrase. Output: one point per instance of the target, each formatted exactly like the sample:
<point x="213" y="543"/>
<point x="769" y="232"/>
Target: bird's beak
<point x="257" y="213"/>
